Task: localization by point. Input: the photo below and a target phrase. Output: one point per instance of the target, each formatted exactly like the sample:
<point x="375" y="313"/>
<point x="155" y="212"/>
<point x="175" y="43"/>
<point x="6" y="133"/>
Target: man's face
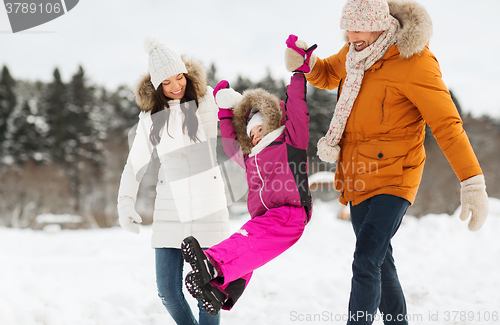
<point x="362" y="40"/>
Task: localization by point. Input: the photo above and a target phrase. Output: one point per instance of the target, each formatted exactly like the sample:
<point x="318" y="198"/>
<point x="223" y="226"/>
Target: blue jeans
<point x="375" y="282"/>
<point x="169" y="280"/>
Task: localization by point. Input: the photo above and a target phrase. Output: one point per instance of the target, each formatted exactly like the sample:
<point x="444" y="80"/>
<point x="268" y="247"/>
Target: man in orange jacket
<point x="389" y="86"/>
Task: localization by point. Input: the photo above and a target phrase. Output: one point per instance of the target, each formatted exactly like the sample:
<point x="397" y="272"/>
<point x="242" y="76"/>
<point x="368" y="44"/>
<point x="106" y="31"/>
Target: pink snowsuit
<point x="279" y="199"/>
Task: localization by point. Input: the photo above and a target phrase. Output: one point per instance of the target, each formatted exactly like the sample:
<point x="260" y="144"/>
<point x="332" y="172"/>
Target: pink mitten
<point x="298" y="57"/>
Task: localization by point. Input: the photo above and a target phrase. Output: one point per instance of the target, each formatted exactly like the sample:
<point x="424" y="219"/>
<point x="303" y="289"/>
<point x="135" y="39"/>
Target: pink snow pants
<point x="259" y="240"/>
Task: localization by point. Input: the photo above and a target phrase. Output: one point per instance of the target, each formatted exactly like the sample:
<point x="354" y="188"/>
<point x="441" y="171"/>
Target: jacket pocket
<point x="380" y="164"/>
<point x="385" y="100"/>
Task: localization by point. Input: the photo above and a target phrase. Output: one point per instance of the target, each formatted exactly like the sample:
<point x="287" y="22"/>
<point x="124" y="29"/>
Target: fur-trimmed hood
<point x="144" y="90"/>
<point x="416" y="26"/>
<point x="259" y="100"/>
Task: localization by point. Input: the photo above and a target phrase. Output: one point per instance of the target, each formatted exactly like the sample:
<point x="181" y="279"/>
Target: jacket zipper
<point x="262" y="180"/>
<point x="383" y="113"/>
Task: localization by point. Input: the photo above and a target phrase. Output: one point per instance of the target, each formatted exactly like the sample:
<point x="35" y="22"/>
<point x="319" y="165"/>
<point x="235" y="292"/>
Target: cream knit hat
<point x="256" y="119"/>
<point x="163" y="62"/>
<point x="365" y="16"/>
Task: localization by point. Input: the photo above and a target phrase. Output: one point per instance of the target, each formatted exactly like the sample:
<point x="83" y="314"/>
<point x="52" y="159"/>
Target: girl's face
<point x="175" y="86"/>
<point x="256" y="134"/>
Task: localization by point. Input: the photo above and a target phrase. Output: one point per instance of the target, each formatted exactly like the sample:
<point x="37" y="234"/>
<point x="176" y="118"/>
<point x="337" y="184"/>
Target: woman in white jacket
<point x="178" y="119"/>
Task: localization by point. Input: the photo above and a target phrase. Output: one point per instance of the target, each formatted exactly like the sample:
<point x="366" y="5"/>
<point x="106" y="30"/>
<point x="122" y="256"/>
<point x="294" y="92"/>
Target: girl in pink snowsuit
<point x="273" y="137"/>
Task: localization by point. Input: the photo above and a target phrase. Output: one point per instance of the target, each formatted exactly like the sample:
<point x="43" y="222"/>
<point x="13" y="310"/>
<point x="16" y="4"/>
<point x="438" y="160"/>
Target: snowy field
<point x="449" y="275"/>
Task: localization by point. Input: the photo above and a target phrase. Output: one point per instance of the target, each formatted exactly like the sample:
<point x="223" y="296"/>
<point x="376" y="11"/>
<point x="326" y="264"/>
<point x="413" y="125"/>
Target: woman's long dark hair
<point x="161" y="112"/>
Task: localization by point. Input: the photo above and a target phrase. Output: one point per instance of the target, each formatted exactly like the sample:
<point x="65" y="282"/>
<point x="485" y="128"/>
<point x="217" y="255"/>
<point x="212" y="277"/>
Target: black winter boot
<point x="212" y="298"/>
<point x="192" y="253"/>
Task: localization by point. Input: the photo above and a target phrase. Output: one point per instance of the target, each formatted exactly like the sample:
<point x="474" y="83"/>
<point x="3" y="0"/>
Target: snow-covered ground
<point x="106" y="276"/>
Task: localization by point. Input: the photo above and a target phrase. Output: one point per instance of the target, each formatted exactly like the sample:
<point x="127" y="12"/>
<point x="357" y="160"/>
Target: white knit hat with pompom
<point x="163" y="62"/>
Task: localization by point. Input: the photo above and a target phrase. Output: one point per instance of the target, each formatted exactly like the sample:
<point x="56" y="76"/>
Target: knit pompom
<point x="326" y="152"/>
<point x="152" y="42"/>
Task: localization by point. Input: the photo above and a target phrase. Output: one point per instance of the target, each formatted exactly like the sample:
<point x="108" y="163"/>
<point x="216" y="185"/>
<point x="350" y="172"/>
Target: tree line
<point x="63" y="144"/>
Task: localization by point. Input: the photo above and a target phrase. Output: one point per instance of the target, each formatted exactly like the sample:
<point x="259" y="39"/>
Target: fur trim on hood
<point x="258" y="99"/>
<point x="416" y="26"/>
<point x="144" y="90"/>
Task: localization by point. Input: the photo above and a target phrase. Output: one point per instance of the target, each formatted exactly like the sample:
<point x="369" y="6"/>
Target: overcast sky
<point x="242" y="38"/>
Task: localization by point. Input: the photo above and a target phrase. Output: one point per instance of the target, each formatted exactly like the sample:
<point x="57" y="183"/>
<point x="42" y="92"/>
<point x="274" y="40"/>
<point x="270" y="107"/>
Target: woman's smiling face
<point x="175" y="86"/>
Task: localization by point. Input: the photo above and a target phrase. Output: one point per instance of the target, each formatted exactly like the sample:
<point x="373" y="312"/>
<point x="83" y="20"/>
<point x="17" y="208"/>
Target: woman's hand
<point x="127" y="216"/>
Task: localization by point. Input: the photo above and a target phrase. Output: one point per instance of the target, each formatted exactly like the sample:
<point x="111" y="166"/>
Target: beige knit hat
<point x="163" y="62"/>
<point x="365" y="16"/>
<point x="256" y="119"/>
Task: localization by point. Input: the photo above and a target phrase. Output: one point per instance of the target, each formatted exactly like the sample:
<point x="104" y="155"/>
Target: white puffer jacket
<point x="190" y="199"/>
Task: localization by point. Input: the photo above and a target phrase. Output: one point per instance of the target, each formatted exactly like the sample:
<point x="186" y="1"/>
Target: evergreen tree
<point x="211" y="76"/>
<point x="55" y="110"/>
<point x="71" y="144"/>
<point x="67" y="108"/>
<point x="321" y="104"/>
<point x="85" y="136"/>
<point x="124" y="112"/>
<point x="275" y="87"/>
<point x="8" y="102"/>
<point x="84" y="125"/>
<point x="28" y="131"/>
<point x="242" y="84"/>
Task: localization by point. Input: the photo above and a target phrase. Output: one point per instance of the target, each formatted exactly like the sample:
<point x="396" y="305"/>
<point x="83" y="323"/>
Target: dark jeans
<point x="375" y="282"/>
<point x="169" y="279"/>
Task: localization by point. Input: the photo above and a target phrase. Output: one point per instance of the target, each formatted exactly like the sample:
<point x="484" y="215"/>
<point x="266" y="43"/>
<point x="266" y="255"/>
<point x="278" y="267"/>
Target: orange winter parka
<point x="382" y="148"/>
